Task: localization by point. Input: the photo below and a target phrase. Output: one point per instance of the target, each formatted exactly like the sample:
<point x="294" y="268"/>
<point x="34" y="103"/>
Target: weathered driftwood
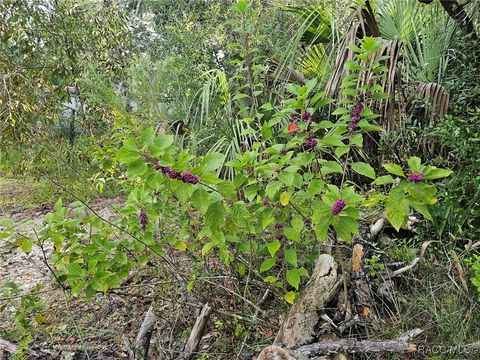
<point x="401" y="345"/>
<point x="197" y="331"/>
<point x="8" y="347"/>
<point x="298" y="327"/>
<point x="142" y="342"/>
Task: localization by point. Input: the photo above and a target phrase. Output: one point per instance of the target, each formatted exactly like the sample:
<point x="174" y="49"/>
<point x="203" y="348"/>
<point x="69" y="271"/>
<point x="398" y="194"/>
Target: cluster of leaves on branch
<point x="290" y="191"/>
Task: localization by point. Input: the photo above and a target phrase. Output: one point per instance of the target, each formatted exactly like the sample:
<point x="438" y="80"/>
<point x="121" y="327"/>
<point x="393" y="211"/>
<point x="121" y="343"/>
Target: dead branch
<point x="197" y="331"/>
<point x="142" y="342"/>
<point x="361" y="288"/>
<point x="400" y="345"/>
<point x="8" y="347"/>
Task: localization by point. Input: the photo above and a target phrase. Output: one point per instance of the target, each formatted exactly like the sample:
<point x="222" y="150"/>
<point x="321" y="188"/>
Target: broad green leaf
<point x="397" y="208"/>
<point x="364" y="169"/>
<point x="292" y="234"/>
<point x="267" y="264"/>
<point x="329" y="167"/>
<point x="25" y="244"/>
<point x="273" y="247"/>
<point x="383" y="180"/>
<point x="294" y="276"/>
<point x="147" y="137"/>
<point x="432" y="173"/>
<point x="227" y="189"/>
<point x="74" y="269"/>
<point x="272" y="188"/>
<point x="394" y="169"/>
<point x="414" y="163"/>
<point x="291" y="257"/>
<point x="201" y="200"/>
<point x="213" y="161"/>
<point x="286" y="178"/>
<point x="215" y="216"/>
<point x="290" y="297"/>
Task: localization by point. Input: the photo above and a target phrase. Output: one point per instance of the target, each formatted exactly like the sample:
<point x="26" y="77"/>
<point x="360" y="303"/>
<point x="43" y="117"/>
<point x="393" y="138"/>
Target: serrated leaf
<point x="272" y="188"/>
<point x="394" y="169"/>
<point x="286" y="178"/>
<point x="227" y="189"/>
<point x="414" y="163"/>
<point x="267" y="264"/>
<point x="273" y="247"/>
<point x="397" y="208"/>
<point x="433" y="173"/>
<point x="383" y="180"/>
<point x="364" y="169"/>
<point x="291" y="257"/>
<point x="290" y="297"/>
<point x="215" y="216"/>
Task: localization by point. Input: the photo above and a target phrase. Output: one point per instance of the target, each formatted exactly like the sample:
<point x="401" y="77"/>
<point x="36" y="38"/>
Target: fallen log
<point x="298" y="327"/>
<point x="400" y="345"/>
<point x="197" y="331"/>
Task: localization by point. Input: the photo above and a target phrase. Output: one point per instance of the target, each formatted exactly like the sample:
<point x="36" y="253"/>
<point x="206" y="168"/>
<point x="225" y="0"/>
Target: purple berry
<point x="310" y="143"/>
<point x="190" y="178"/>
<point x="338" y="206"/>
<point x="278" y="225"/>
<point x="143" y="219"/>
<point x="416" y="177"/>
<point x="306" y="116"/>
<point x="279" y="236"/>
<point x="157" y="166"/>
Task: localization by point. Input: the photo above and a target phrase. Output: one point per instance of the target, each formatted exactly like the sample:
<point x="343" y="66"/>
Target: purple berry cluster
<point x="306" y="116"/>
<point x="357" y="110"/>
<point x="278" y="226"/>
<point x="310" y="143"/>
<point x="187" y="177"/>
<point x="143" y="219"/>
<point x="279" y="236"/>
<point x="416" y="177"/>
<point x="293" y="117"/>
<point x="338" y="206"/>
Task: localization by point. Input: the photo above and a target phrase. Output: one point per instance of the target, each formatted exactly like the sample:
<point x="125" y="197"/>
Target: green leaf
<point x="7" y="223"/>
<point x="315" y="186"/>
<point x="292" y="234"/>
<point x="397" y="208"/>
<point x="74" y="269"/>
<point x="273" y="247"/>
<point x="364" y="169"/>
<point x="163" y="141"/>
<point x="147" y="137"/>
<point x="290" y="297"/>
<point x="330" y="167"/>
<point x="201" y="200"/>
<point x="137" y="168"/>
<point x="383" y="180"/>
<point x="422" y="209"/>
<point x="126" y="155"/>
<point x="121" y="258"/>
<point x="294" y="276"/>
<point x="272" y="188"/>
<point x="267" y="264"/>
<point x="414" y="163"/>
<point x="432" y="173"/>
<point x="394" y="169"/>
<point x="215" y="216"/>
<point x="284" y="198"/>
<point x="227" y="189"/>
<point x="291" y="257"/>
<point x="213" y="161"/>
<point x="25" y="244"/>
<point x="286" y="178"/>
